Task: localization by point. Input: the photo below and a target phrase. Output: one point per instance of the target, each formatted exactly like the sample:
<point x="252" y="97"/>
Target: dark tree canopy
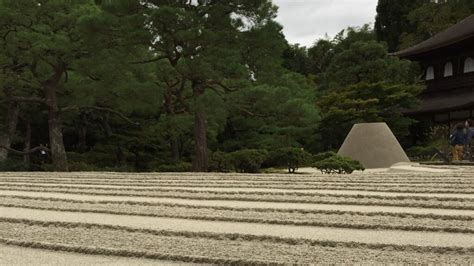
<point x="159" y="85"/>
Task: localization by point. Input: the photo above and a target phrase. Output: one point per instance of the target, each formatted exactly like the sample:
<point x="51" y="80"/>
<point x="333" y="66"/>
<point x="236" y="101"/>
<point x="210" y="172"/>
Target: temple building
<point x="448" y="63"/>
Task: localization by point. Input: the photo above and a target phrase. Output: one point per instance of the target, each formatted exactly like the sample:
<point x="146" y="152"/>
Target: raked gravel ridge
<point x="104" y="218"/>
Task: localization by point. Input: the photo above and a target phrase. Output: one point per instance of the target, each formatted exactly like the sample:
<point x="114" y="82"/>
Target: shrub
<point x="176" y="167"/>
<point x="292" y="158"/>
<point x="324" y="155"/>
<point x="421" y="153"/>
<point x="220" y="162"/>
<point x="82" y="167"/>
<point x="249" y="161"/>
<point x="13" y="165"/>
<point x="338" y="165"/>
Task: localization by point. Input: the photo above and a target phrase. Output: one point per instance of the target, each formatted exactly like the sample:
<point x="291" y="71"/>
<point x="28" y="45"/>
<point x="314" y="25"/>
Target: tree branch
<point x="149" y="60"/>
<point x="28" y="99"/>
<point x="40" y="148"/>
<point x="250" y="113"/>
<point x="102" y="109"/>
<point x="220" y="84"/>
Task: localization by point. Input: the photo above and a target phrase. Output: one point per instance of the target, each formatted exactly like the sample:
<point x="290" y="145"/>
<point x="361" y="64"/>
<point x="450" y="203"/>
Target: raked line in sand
<point x="393" y="237"/>
<point x="245" y="204"/>
<point x="13" y="255"/>
<point x="269" y="190"/>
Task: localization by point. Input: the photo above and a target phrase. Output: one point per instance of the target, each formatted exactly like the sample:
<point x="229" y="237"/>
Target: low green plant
<point x="13" y="165"/>
<point x="248" y="161"/>
<point x="324" y="155"/>
<point x="292" y="158"/>
<point x="220" y="162"/>
<point x="337" y="164"/>
<point x="176" y="167"/>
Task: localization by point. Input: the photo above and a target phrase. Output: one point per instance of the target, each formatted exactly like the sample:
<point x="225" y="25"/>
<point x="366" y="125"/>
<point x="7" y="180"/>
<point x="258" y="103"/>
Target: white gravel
<point x="16" y="256"/>
<point x="307" y="232"/>
<point x="231" y="189"/>
<point x="245" y="204"/>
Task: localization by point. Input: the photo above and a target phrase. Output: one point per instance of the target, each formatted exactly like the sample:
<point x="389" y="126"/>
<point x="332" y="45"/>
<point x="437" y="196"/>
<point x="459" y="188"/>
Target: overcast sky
<point x="305" y="21"/>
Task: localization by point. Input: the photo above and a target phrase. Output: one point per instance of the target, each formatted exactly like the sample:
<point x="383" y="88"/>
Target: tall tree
<point x="377" y="102"/>
<point x="204" y="42"/>
<point x="51" y="51"/>
<point x="392" y="20"/>
<point x="431" y="18"/>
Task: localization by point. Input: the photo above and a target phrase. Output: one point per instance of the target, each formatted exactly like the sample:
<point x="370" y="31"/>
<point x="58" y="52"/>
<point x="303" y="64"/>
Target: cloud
<point x="305" y="21"/>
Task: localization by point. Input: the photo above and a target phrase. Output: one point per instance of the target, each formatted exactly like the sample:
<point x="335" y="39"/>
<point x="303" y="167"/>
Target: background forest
<point x="195" y="85"/>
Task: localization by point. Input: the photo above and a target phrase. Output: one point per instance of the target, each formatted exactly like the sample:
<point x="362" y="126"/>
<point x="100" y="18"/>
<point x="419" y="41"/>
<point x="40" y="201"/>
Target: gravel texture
<point x="373" y="217"/>
<point x="398" y="221"/>
<point x="216" y="248"/>
<point x="20" y="256"/>
<point x="439" y="239"/>
<point x="245" y="204"/>
<point x="294" y="197"/>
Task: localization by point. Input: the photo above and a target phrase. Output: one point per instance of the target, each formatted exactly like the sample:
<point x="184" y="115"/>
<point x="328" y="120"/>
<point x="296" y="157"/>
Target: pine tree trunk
<point x="174" y="147"/>
<point x="56" y="142"/>
<point x="27" y="147"/>
<point x="200" y="162"/>
<point x="5" y="137"/>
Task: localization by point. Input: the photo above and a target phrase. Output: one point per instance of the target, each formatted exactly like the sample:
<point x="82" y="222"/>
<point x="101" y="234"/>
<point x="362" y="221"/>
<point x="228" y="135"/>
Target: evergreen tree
<point x="392" y="20"/>
<point x="431" y="18"/>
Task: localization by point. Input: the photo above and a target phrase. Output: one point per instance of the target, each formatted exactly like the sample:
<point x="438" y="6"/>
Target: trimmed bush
<point x="220" y="162"/>
<point x="248" y="161"/>
<point x="176" y="167"/>
<point x="292" y="158"/>
<point x="336" y="164"/>
<point x="324" y="155"/>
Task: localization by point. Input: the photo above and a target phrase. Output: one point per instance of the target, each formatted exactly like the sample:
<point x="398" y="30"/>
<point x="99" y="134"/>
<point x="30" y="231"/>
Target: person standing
<point x="470" y="138"/>
<point x="457" y="140"/>
<point x="470" y="131"/>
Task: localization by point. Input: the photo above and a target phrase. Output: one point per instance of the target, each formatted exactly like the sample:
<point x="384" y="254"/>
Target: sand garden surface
<point x="124" y="219"/>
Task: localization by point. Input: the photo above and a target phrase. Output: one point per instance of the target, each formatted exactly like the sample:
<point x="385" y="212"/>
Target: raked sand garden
<point x="145" y="219"/>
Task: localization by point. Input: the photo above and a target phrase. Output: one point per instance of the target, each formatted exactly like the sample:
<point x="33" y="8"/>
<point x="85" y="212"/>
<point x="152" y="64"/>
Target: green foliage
<point x="249" y="161"/>
<point x="392" y="20"/>
<point x="133" y="78"/>
<point x="176" y="167"/>
<point x="295" y="59"/>
<point x="336" y="164"/>
<point x="272" y="116"/>
<point x="430" y="18"/>
<point x="421" y="153"/>
<point x="292" y="158"/>
<point x="323" y="155"/>
<point x="221" y="162"/>
<point x="360" y="58"/>
<point x="13" y="165"/>
<point x="364" y="103"/>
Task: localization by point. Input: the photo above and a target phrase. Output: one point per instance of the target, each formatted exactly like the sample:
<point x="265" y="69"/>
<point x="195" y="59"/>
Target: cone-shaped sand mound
<point x="374" y="145"/>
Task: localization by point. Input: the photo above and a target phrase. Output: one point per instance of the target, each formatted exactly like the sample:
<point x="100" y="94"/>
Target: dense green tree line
<point x="179" y="85"/>
<point x="404" y="23"/>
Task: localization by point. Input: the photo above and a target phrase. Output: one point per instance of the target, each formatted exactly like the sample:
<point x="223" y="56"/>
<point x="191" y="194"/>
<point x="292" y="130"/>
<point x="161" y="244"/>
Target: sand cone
<point x="374" y="145"/>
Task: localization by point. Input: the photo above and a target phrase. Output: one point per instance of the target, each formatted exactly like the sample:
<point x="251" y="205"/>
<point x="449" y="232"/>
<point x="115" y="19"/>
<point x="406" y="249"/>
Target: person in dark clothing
<point x="457" y="141"/>
<point x="470" y="131"/>
<point x="470" y="139"/>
